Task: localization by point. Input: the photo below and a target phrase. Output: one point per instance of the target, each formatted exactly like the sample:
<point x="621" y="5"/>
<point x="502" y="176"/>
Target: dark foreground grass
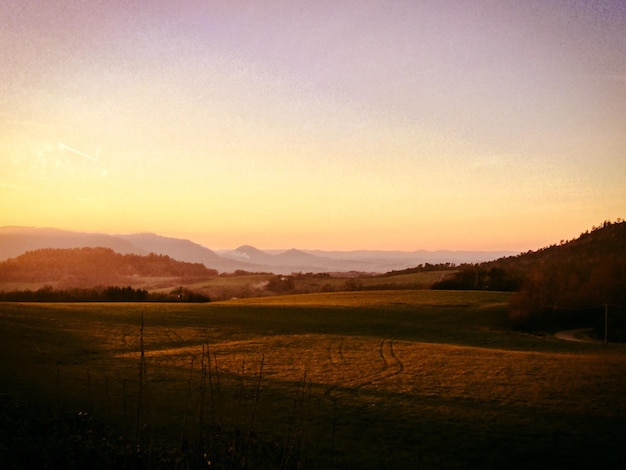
<point x="405" y="379"/>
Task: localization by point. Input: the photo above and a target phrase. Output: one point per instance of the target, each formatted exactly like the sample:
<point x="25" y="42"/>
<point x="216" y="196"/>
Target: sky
<point x="396" y="125"/>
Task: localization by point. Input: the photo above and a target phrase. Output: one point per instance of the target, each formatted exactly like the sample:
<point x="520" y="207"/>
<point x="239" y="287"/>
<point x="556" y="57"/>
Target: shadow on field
<point x="230" y="387"/>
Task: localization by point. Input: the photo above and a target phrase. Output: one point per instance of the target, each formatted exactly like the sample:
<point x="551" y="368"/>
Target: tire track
<point x="335" y="352"/>
<point x="336" y="359"/>
<point x="396" y="363"/>
<point x="392" y="365"/>
<point x="173" y="336"/>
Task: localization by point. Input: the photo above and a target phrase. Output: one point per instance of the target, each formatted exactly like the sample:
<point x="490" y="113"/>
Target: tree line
<point x="481" y="277"/>
<point x="102" y="294"/>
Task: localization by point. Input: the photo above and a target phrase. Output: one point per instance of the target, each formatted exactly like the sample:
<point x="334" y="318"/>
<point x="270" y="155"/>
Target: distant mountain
<point x="283" y="262"/>
<point x="182" y="250"/>
<point x="394" y="260"/>
<point x="293" y="260"/>
<point x="250" y="254"/>
<point x="17" y="240"/>
<point x="289" y="257"/>
<point x="297" y="257"/>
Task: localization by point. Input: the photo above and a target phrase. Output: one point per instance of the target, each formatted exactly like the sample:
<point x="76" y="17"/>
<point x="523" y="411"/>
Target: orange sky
<point x="330" y="125"/>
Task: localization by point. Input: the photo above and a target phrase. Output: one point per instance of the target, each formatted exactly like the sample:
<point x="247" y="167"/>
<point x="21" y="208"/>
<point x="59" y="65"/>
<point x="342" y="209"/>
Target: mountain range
<point x="15" y="241"/>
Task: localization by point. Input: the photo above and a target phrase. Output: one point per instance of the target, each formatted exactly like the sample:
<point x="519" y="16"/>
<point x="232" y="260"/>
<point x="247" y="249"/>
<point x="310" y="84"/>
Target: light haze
<point x="496" y="125"/>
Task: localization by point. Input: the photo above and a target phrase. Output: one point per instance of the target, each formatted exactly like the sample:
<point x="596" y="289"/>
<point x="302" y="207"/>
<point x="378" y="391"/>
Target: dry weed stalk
<point x="138" y="424"/>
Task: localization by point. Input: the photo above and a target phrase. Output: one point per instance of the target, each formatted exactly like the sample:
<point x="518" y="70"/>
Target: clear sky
<point x="315" y="124"/>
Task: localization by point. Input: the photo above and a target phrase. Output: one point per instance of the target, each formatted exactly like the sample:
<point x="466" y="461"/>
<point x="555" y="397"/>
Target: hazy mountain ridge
<point x="15" y="241"/>
<point x="250" y="254"/>
<point x="419" y="256"/>
<point x="183" y="250"/>
<point x="376" y="261"/>
<point x="289" y="261"/>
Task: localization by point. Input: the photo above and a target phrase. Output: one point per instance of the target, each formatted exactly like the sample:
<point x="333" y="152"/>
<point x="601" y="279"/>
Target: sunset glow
<point x="331" y="125"/>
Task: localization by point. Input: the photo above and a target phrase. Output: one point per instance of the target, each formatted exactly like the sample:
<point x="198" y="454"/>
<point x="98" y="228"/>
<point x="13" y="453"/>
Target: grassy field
<point x="227" y="287"/>
<point x="380" y="379"/>
<point x="254" y="285"/>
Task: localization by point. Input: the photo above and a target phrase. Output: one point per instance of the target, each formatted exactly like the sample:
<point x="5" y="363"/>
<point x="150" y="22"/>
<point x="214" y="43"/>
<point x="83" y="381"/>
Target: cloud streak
<point x="62" y="147"/>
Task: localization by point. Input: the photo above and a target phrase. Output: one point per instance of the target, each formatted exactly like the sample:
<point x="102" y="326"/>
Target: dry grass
<point x="390" y="379"/>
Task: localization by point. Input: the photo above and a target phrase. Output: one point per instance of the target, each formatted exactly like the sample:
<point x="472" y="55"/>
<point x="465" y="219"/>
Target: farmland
<point x="369" y="379"/>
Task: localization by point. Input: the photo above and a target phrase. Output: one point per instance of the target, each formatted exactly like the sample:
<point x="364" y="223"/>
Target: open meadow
<point x="226" y="287"/>
<point x="371" y="379"/>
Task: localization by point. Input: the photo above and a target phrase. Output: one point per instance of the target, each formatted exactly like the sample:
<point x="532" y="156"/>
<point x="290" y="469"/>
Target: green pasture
<point x="375" y="379"/>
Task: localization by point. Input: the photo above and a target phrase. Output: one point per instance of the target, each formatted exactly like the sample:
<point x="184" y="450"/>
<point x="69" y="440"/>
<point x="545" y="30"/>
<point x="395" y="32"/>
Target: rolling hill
<point x="89" y="267"/>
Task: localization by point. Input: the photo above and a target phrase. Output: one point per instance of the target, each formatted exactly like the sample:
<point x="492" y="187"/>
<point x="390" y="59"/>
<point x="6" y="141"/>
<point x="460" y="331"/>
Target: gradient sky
<point x="315" y="124"/>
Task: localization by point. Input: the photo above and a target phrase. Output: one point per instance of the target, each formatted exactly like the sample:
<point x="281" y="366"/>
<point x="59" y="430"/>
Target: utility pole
<point x="606" y="323"/>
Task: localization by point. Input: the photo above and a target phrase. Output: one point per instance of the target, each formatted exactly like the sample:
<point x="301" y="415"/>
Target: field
<point x="377" y="379"/>
<point x="226" y="287"/>
<point x="254" y="285"/>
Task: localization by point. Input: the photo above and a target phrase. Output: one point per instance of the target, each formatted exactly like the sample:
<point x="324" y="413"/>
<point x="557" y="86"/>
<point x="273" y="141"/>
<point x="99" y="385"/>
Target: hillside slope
<point x="569" y="285"/>
<point x="87" y="267"/>
<point x="602" y="243"/>
<point x="598" y="255"/>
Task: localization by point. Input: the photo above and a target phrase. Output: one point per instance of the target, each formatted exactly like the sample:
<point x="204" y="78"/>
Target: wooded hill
<point x="560" y="284"/>
<point x="86" y="267"/>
